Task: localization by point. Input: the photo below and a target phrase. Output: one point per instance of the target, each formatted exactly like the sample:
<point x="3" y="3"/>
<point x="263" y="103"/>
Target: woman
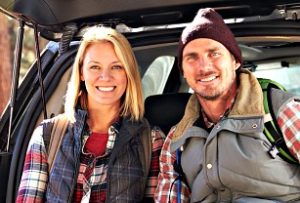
<point x="103" y="151"/>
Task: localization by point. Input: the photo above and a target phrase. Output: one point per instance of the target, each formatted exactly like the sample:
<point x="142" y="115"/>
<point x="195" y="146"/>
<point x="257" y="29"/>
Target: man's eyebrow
<point x="216" y="48"/>
<point x="191" y="53"/>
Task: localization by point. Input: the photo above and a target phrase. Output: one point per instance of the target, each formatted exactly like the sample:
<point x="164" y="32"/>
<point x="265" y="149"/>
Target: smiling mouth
<point x="208" y="79"/>
<point x="106" y="89"/>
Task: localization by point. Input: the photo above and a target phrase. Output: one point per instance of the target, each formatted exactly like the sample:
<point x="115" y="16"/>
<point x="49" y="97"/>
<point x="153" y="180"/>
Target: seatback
<point x="165" y="110"/>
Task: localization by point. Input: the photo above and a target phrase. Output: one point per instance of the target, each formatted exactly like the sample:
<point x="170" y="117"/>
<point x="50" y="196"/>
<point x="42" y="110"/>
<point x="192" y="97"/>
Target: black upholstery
<point x="165" y="110"/>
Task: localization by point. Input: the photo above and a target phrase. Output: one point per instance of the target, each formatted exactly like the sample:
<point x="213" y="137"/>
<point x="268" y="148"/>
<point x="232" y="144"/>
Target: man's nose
<point x="204" y="62"/>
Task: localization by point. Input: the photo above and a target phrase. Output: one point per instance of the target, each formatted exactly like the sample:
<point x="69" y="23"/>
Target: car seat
<point x="166" y="110"/>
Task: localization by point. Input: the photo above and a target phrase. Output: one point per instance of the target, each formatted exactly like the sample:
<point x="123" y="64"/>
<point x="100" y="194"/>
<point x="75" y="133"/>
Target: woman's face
<point x="104" y="75"/>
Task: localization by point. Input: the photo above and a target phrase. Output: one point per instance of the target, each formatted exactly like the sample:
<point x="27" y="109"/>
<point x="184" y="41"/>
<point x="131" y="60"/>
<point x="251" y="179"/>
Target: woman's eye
<point x="117" y="67"/>
<point x="94" y="67"/>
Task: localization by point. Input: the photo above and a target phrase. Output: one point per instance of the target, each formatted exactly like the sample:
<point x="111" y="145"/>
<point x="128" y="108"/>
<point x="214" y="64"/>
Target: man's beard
<point x="211" y="97"/>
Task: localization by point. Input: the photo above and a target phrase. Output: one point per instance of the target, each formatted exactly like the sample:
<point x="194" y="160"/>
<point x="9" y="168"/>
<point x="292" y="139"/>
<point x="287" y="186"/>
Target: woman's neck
<point x="100" y="119"/>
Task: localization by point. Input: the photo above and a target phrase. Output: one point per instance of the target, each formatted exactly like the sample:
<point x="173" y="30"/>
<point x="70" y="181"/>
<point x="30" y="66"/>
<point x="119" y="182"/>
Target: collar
<point x="248" y="103"/>
<point x="208" y="122"/>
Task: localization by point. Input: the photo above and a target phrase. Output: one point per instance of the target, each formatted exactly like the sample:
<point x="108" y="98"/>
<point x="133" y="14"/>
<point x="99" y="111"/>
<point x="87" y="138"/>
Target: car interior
<point x="267" y="33"/>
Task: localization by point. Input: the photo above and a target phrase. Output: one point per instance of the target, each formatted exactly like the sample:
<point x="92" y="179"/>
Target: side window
<point x="155" y="78"/>
<point x="285" y="72"/>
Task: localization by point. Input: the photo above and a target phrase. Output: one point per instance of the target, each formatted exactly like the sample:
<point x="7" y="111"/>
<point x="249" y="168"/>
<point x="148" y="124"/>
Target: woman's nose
<point x="105" y="75"/>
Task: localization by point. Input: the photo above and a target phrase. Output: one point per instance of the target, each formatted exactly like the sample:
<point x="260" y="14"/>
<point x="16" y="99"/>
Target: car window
<point x="284" y="71"/>
<point x="156" y="75"/>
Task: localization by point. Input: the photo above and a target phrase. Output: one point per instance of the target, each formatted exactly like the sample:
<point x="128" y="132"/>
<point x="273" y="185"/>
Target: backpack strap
<point x="146" y="141"/>
<point x="47" y="129"/>
<point x="272" y="129"/>
<point x="181" y="177"/>
<point x="53" y="133"/>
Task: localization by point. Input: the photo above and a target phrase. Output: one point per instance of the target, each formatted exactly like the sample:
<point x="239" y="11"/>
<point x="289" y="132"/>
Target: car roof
<point x="54" y="15"/>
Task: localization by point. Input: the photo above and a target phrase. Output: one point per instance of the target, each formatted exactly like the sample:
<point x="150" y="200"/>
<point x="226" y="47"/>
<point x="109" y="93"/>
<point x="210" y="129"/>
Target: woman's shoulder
<point x="55" y="118"/>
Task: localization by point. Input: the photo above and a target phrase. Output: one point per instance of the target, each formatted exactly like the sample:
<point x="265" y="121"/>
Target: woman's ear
<point x="81" y="75"/>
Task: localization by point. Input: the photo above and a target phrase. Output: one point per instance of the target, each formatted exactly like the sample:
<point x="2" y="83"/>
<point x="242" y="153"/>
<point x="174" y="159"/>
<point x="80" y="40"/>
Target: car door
<point x="28" y="112"/>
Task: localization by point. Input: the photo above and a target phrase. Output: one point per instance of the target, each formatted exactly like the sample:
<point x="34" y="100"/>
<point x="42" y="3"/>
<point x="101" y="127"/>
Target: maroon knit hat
<point x="209" y="24"/>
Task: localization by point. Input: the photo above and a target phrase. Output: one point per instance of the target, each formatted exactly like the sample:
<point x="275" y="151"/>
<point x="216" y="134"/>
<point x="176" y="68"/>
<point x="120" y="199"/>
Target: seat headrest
<point x="165" y="110"/>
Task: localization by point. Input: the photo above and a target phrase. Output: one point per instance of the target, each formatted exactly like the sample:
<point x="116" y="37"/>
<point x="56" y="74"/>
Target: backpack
<point x="53" y="133"/>
<point x="272" y="129"/>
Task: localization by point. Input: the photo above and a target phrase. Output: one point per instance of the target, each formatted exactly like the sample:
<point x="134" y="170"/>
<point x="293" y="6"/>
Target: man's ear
<point x="182" y="72"/>
<point x="237" y="65"/>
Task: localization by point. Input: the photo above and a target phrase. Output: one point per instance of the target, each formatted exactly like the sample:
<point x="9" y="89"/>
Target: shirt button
<point x="209" y="166"/>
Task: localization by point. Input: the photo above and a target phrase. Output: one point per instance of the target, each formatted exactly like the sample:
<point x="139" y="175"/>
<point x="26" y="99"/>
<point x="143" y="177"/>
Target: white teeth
<point x="105" y="89"/>
<point x="208" y="79"/>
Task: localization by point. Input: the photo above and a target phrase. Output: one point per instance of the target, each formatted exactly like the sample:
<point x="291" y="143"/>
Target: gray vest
<point x="232" y="164"/>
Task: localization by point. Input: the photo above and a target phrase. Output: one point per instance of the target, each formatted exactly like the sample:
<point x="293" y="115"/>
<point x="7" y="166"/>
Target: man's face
<point x="209" y="68"/>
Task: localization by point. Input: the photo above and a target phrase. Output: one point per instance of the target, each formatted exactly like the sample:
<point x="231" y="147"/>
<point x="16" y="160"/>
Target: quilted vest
<point x="126" y="176"/>
<point x="231" y="163"/>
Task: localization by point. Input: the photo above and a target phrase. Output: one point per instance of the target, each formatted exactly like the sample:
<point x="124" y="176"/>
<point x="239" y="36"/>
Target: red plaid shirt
<point x="289" y="122"/>
<point x="91" y="182"/>
<point x="166" y="191"/>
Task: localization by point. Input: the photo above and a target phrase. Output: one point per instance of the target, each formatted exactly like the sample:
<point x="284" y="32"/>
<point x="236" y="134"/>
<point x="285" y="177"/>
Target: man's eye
<point x="190" y="58"/>
<point x="215" y="54"/>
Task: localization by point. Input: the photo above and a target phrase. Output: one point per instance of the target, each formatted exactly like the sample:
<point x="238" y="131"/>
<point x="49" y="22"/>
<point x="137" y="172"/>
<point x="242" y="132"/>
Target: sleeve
<point x="35" y="171"/>
<point x="157" y="137"/>
<point x="289" y="122"/>
<point x="166" y="188"/>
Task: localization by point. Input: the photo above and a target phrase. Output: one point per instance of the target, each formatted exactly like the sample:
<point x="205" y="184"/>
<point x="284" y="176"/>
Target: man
<point x="224" y="153"/>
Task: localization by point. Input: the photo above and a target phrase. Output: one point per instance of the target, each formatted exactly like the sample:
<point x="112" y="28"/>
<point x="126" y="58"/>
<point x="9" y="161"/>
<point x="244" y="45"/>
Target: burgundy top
<point x="96" y="143"/>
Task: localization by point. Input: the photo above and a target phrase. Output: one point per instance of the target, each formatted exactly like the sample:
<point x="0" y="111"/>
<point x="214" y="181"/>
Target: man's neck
<point x="215" y="109"/>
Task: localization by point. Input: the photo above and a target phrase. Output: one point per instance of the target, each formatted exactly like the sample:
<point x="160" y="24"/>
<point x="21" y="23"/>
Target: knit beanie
<point x="209" y="24"/>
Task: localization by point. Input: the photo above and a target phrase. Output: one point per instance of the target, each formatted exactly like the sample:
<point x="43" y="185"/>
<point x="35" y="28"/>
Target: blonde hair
<point x="132" y="100"/>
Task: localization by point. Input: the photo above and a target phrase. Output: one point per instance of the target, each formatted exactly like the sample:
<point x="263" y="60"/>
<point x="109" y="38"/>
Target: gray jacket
<point x="231" y="163"/>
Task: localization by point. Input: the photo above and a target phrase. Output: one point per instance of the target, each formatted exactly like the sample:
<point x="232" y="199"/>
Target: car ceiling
<point x="53" y="15"/>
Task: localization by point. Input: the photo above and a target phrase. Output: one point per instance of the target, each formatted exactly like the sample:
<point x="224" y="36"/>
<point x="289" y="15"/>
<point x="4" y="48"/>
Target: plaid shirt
<point x="289" y="123"/>
<point x="166" y="191"/>
<point x="91" y="182"/>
